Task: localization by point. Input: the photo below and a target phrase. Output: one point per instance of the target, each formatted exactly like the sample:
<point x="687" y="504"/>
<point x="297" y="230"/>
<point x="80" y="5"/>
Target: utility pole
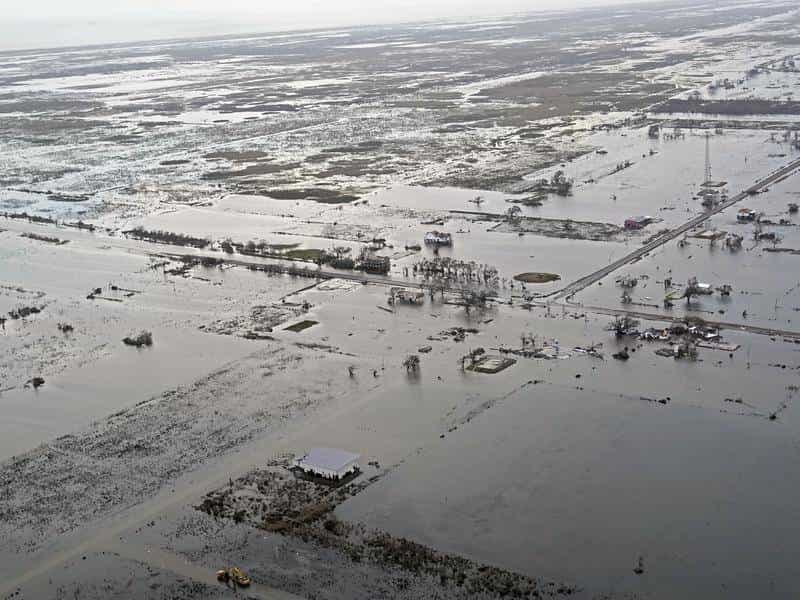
<point x="708" y="157"/>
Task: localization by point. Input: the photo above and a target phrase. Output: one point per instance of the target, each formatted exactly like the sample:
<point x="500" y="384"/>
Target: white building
<point x="329" y="463"/>
<point x="438" y="238"/>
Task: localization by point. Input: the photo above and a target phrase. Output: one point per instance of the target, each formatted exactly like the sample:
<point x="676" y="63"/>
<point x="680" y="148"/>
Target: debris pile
<point x="273" y="500"/>
<point x="144" y="338"/>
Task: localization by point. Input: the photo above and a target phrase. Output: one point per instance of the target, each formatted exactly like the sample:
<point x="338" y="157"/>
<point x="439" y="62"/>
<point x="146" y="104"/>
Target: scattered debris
<point x="166" y="237"/>
<point x="145" y="338"/>
<point x="273" y="500"/>
<point x="639" y="566"/>
<point x="492" y="364"/>
<point x="622" y="354"/>
<point x="235" y="576"/>
<point x="35" y="383"/>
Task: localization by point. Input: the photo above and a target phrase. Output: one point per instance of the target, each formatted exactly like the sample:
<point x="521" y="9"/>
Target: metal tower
<point x="708" y="157"/>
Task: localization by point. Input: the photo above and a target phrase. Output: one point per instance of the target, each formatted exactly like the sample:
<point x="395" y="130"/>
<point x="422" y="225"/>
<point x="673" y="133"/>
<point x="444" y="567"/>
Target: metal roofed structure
<point x="328" y="463"/>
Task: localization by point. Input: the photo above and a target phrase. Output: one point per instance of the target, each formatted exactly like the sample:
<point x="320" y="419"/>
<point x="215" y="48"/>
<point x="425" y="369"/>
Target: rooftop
<point x="329" y="459"/>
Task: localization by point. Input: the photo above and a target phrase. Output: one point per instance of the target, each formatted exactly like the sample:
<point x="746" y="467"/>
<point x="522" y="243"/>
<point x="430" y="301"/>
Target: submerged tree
<point x="473" y="299"/>
<point x="411" y="363"/>
<point x="692" y="289"/>
<point x="513" y="215"/>
<point x="561" y="185"/>
<point x="623" y="324"/>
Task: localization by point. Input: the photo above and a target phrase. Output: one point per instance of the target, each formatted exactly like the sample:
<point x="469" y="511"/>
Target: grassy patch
<point x="537" y="277"/>
<point x="312" y="254"/>
<point x="321" y="195"/>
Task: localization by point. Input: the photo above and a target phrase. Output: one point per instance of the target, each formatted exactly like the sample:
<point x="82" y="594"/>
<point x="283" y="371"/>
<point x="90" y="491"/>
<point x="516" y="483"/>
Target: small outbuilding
<point x="328" y="463"/>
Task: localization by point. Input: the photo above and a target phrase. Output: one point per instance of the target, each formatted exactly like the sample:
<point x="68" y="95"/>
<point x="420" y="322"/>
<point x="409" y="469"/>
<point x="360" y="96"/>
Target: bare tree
<point x="692" y="289"/>
<point x="411" y="363"/>
<point x="472" y="299"/>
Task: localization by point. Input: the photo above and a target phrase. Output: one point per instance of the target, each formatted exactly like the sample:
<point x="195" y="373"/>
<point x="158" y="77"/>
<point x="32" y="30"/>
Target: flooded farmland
<point x="527" y="285"/>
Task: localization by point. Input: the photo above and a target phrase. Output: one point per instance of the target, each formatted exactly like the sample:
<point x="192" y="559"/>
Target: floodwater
<point x="577" y="468"/>
<point x="575" y="479"/>
<point x="577" y="486"/>
<point x="84" y="394"/>
<point x="759" y="297"/>
<point x="662" y="185"/>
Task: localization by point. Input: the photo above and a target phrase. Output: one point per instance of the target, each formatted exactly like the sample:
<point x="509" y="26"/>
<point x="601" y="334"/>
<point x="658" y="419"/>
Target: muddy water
<point x="577" y="484"/>
<point x="576" y="477"/>
<point x="89" y="373"/>
<point x="522" y="473"/>
<point x="80" y="395"/>
<point x="662" y="185"/>
<point x="764" y="284"/>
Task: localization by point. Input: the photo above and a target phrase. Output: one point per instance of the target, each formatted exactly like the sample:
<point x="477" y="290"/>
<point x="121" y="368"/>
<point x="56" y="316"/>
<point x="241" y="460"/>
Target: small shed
<point x="328" y="463"/>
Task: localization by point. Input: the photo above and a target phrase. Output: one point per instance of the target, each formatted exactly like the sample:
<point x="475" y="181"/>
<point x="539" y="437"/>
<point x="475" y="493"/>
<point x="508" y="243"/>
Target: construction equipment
<point x="233" y="575"/>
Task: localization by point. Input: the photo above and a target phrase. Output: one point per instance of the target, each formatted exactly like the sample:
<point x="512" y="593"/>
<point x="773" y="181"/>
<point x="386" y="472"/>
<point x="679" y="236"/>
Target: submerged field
<point x="227" y="206"/>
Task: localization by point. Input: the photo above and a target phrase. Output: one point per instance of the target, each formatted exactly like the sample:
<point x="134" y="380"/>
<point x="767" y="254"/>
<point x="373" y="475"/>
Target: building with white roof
<point x="328" y="463"/>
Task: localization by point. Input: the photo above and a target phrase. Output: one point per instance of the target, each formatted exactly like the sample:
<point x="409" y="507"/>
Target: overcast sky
<point x="82" y="22"/>
<point x="296" y="11"/>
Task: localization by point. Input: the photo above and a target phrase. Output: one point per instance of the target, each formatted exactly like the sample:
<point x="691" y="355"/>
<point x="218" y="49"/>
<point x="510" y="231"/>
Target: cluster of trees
<point x="25" y="311"/>
<point x="252" y="247"/>
<point x="31" y="218"/>
<point x="473" y="299"/>
<point x="558" y="184"/>
<point x="291" y="270"/>
<point x="449" y="270"/>
<point x="167" y="237"/>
